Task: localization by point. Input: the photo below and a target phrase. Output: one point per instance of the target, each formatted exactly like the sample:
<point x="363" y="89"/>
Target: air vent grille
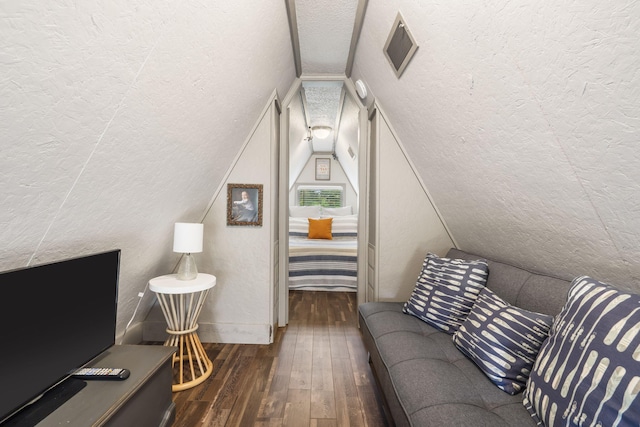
<point x="400" y="46"/>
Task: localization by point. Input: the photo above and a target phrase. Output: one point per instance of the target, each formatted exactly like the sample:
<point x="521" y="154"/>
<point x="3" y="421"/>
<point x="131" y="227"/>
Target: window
<point x="327" y="196"/>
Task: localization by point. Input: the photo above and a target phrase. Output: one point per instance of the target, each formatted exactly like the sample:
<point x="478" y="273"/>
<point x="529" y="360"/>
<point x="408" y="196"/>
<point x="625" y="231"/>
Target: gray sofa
<point x="425" y="380"/>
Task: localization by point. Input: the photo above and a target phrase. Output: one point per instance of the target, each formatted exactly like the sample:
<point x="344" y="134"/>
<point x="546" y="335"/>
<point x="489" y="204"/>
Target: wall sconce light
<point x="321" y="132"/>
<point x="187" y="239"/>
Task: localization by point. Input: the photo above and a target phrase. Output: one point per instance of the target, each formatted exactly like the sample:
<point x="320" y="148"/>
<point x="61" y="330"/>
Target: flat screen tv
<point x="54" y="318"/>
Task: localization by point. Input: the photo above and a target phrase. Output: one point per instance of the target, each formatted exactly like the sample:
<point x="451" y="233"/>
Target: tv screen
<point x="54" y="318"/>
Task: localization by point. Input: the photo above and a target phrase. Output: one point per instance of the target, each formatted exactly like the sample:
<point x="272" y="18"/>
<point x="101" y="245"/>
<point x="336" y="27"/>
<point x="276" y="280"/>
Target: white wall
<point x="237" y="309"/>
<point x="349" y="137"/>
<point x="405" y="225"/>
<point x="299" y="147"/>
<point x="338" y="177"/>
<point x="522" y="120"/>
<point x="120" y="118"/>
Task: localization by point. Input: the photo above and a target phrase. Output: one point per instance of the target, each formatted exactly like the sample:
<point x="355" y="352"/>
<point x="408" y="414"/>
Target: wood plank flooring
<point x="315" y="374"/>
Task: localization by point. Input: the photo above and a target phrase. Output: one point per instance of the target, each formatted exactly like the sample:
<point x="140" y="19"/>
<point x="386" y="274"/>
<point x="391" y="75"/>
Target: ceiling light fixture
<point x="321" y="132"/>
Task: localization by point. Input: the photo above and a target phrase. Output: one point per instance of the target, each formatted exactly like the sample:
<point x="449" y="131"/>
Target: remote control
<point x="101" y="373"/>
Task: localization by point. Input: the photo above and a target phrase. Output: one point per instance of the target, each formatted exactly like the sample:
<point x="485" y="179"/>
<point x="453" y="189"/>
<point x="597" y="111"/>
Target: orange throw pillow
<point x="320" y="228"/>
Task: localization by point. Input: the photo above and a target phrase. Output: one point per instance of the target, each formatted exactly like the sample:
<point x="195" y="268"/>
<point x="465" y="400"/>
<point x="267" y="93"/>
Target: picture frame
<point x="244" y="204"/>
<point x="323" y="169"/>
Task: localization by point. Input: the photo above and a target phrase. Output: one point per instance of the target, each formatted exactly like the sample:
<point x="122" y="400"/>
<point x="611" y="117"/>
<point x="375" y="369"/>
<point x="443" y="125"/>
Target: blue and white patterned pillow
<point x="503" y="340"/>
<point x="588" y="370"/>
<point x="446" y="290"/>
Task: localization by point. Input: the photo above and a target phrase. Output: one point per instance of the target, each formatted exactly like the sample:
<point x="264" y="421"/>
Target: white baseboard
<point x="213" y="333"/>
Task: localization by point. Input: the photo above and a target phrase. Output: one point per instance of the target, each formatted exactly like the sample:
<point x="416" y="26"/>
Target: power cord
<point x="140" y="295"/>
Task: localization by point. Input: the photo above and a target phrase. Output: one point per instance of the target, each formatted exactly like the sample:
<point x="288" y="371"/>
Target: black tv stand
<point x="143" y="399"/>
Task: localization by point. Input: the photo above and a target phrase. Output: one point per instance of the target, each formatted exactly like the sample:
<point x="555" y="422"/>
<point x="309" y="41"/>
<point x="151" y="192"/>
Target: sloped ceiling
<point x="523" y="121"/>
<point x="325" y="28"/>
<point x="119" y="118"/>
<point x="324" y="35"/>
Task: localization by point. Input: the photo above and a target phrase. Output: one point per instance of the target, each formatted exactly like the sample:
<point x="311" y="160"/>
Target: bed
<point x="324" y="264"/>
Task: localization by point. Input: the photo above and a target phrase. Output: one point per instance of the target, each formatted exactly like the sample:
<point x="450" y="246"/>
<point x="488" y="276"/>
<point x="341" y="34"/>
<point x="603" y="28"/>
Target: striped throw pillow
<point x="503" y="340"/>
<point x="446" y="290"/>
<point x="588" y="370"/>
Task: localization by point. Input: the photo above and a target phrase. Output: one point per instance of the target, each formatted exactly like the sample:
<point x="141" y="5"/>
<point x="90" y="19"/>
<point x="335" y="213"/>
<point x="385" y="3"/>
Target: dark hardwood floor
<point x="314" y="374"/>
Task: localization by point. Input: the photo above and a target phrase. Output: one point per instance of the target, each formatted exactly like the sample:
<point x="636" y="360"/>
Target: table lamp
<point x="187" y="239"/>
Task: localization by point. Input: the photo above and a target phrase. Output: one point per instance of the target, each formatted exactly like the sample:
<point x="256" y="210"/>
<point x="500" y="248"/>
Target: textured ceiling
<point x="323" y="104"/>
<point x="523" y="122"/>
<point x="323" y="32"/>
<point x="325" y="28"/>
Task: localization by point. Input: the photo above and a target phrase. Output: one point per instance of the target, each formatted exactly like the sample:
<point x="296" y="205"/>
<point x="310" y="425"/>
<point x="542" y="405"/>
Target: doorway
<point x="324" y="128"/>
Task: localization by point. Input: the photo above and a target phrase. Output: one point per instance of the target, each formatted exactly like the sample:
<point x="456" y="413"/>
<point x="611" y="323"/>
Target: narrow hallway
<point x="314" y="374"/>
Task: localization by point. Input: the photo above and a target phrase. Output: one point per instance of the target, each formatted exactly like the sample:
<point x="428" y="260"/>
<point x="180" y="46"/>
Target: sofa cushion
<point x="402" y="346"/>
<point x="588" y="370"/>
<point x="503" y="340"/>
<point x="446" y="290"/>
<point x="426" y="379"/>
<point x="532" y="291"/>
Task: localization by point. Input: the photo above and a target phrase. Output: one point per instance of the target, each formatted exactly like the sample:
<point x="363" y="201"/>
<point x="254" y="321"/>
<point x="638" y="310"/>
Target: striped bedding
<point x="320" y="264"/>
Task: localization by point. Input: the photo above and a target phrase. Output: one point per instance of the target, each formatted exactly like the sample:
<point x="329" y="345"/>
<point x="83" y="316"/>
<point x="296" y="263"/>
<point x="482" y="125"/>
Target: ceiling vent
<point x="400" y="46"/>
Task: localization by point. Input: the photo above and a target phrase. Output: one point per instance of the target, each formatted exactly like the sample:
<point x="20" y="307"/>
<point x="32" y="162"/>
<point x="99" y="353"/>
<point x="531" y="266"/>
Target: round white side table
<point x="181" y="302"/>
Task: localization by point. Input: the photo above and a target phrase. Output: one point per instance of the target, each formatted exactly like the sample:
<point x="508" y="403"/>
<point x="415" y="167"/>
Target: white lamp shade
<point x="187" y="237"/>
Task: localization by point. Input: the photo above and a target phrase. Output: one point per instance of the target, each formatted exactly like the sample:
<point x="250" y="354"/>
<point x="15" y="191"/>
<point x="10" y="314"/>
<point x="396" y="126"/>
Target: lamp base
<point x="187" y="269"/>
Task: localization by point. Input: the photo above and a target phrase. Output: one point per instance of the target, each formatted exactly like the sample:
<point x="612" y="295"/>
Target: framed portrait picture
<point x="244" y="204"/>
<point x="323" y="169"/>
